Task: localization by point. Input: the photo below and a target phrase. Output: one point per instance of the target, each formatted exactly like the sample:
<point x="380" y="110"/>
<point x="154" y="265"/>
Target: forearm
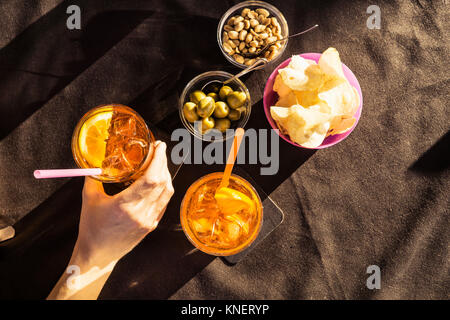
<point x="83" y="279"/>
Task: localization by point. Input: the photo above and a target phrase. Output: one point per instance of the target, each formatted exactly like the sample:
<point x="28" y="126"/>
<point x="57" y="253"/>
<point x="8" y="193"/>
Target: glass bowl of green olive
<point x="206" y="104"/>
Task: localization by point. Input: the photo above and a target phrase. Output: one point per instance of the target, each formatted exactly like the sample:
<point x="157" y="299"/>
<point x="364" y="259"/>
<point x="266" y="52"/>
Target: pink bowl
<point x="271" y="97"/>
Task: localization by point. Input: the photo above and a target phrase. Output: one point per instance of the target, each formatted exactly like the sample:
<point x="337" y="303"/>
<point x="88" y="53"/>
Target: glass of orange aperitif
<point x="116" y="139"/>
<point x="225" y="222"/>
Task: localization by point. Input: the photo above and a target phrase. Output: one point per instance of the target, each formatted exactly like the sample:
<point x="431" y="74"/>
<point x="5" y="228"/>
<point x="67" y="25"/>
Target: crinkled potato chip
<point x="287" y="96"/>
<point x="341" y="124"/>
<point x="301" y="74"/>
<point x="279" y="86"/>
<point x="331" y="64"/>
<point x="287" y="100"/>
<point x="307" y="98"/>
<point x="305" y="126"/>
<point x="341" y="99"/>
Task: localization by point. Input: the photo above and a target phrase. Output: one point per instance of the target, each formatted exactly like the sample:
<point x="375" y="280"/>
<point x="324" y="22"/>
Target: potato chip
<point x="307" y="127"/>
<point x="316" y="78"/>
<point x="331" y="64"/>
<point x="307" y="98"/>
<point x="301" y="74"/>
<point x="300" y="64"/>
<point x="341" y="124"/>
<point x="340" y="98"/>
<point x="321" y="106"/>
<point x="279" y="86"/>
<point x="287" y="100"/>
<point x="287" y="97"/>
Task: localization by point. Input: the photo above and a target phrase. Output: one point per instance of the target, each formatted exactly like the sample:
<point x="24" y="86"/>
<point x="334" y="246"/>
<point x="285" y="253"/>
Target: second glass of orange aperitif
<point x="221" y="223"/>
<point x="116" y="139"/>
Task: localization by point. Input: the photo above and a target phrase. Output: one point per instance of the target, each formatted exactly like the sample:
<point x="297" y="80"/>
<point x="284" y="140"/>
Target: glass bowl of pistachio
<point x="248" y="27"/>
<point x="206" y="103"/>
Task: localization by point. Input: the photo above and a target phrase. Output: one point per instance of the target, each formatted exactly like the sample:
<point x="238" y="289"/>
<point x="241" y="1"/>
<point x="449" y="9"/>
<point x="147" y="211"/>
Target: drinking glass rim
<point x="227" y="252"/>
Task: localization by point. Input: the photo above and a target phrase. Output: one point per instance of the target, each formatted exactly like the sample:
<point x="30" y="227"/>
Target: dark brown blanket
<point x="380" y="197"/>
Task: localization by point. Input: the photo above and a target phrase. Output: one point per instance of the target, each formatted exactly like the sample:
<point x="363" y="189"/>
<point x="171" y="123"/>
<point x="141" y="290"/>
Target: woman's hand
<point x="111" y="226"/>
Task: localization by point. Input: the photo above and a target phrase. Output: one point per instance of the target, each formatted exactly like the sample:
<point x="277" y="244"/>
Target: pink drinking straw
<point x="65" y="173"/>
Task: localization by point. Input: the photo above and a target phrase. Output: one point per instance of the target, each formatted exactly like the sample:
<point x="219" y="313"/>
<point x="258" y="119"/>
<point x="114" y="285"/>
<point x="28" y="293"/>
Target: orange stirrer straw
<point x="231" y="157"/>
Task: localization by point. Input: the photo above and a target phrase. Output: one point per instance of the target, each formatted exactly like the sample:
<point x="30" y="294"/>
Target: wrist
<point x="86" y="258"/>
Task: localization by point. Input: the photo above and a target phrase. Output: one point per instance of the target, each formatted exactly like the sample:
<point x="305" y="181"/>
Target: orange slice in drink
<point x="92" y="139"/>
<point x="232" y="201"/>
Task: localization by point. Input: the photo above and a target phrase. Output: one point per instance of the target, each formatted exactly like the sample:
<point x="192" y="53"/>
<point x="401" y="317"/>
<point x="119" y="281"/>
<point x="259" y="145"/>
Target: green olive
<point x="190" y="111"/>
<point x="236" y="114"/>
<point x="224" y="92"/>
<point x="222" y="124"/>
<point x="213" y="95"/>
<point x="221" y="110"/>
<point x="207" y="124"/>
<point x="196" y="96"/>
<point x="236" y="99"/>
<point x="206" y="107"/>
